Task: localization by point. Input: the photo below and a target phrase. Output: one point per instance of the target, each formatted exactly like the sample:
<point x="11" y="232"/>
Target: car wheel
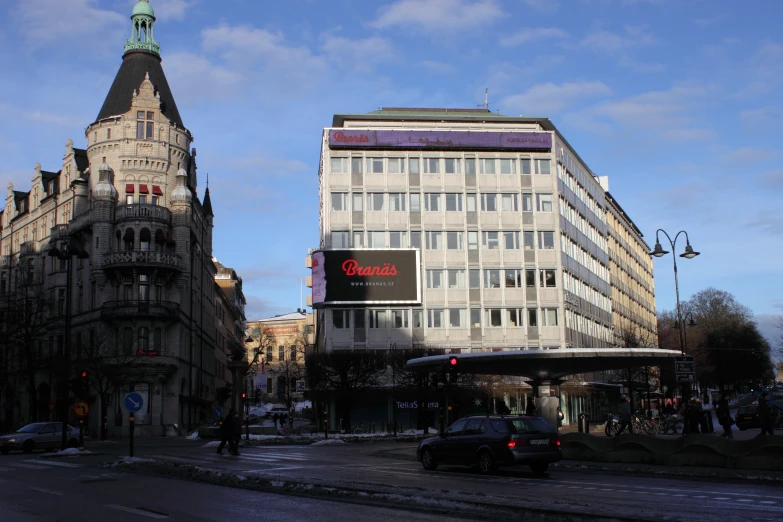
<point x="28" y="446"/>
<point x="73" y="443"/>
<point x="539" y="469"/>
<point x="486" y="462"/>
<point x="428" y="460"/>
<point x="4" y="451"/>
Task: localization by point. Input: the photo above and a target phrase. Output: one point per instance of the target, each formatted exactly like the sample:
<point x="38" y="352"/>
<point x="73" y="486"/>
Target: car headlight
<point x="11" y="440"/>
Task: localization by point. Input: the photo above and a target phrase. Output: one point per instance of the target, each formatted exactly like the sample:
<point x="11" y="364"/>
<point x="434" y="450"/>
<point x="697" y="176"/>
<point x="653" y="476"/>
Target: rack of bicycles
<point x="640" y="423"/>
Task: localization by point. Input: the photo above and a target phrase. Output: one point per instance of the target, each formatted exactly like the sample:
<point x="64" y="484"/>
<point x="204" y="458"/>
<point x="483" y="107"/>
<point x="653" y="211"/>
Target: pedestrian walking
<point x="236" y="433"/>
<point x="765" y="419"/>
<point x="274" y="419"/>
<point x="530" y="408"/>
<point x="724" y="416"/>
<point x="625" y="416"/>
<point x="225" y="432"/>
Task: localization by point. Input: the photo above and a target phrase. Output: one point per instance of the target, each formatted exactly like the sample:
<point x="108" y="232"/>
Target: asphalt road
<point x="90" y="492"/>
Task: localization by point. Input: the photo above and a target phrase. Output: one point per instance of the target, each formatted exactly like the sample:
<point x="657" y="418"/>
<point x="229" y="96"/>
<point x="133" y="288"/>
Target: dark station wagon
<point x="490" y="441"/>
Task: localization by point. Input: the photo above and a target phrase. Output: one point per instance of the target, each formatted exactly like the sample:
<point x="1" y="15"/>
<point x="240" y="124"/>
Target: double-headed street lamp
<point x="689" y="253"/>
<point x="65" y="253"/>
<point x="687" y="316"/>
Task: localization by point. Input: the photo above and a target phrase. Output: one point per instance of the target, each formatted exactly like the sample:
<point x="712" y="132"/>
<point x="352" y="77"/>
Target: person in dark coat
<point x="765" y="419"/>
<point x="625" y="416"/>
<point x="225" y="432"/>
<point x="236" y="433"/>
<point x="530" y="409"/>
<point x="724" y="416"/>
<point x="275" y="416"/>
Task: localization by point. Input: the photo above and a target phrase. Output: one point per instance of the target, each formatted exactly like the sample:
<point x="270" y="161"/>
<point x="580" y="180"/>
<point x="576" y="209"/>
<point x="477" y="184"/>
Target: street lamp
<point x="691" y="323"/>
<point x="65" y="253"/>
<point x="689" y="253"/>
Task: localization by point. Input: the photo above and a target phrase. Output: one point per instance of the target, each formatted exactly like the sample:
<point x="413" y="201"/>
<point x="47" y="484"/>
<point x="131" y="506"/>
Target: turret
<point x="181" y="200"/>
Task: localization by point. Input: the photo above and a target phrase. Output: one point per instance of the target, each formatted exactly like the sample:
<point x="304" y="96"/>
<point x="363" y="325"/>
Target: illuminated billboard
<point x="366" y="276"/>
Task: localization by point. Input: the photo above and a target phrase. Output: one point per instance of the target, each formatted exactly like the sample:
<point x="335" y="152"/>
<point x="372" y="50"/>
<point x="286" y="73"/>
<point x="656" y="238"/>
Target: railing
<point x="135" y="308"/>
<point x="138" y="211"/>
<point x="143" y="258"/>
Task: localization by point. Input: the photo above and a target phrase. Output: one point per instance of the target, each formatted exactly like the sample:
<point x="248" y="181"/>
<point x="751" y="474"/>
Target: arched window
<point x="158" y="340"/>
<point x="160" y="240"/>
<point x="144" y="339"/>
<point x="129" y="238"/>
<point x="127" y="341"/>
<point x="144" y="238"/>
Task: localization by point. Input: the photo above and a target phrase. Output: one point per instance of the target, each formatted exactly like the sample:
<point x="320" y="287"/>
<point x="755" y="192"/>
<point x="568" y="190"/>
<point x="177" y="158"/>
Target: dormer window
<point x="145" y="125"/>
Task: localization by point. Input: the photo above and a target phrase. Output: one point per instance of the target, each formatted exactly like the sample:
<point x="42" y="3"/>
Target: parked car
<point x="38" y="435"/>
<point x="279" y="410"/>
<point x="490" y="441"/>
<point x="747" y="417"/>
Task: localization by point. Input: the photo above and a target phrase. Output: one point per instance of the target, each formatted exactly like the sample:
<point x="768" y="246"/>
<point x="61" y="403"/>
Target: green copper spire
<point x="143" y="29"/>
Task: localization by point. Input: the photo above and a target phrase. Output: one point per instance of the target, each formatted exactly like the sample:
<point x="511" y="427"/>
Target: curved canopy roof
<point x="546" y="364"/>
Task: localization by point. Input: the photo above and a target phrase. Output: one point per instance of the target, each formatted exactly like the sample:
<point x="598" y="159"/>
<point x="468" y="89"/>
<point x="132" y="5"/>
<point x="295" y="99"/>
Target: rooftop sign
<point x="366" y="139"/>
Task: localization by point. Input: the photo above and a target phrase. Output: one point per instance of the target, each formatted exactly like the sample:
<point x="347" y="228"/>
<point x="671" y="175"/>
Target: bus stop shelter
<point x="546" y="369"/>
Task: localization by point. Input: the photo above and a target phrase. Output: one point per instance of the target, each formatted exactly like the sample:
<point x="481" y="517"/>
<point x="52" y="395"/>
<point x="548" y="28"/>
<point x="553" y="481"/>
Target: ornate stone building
<point x="142" y="287"/>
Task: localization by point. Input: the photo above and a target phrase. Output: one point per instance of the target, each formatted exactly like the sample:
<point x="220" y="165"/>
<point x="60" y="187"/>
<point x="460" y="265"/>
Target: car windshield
<point x="31" y="428"/>
<point x="748" y="409"/>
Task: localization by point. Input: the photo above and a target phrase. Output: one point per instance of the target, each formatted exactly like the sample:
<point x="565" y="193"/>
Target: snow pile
<point x="211" y="444"/>
<point x="258" y="411"/>
<point x="193" y="436"/>
<point x="328" y="442"/>
<point x="70" y="452"/>
<point x="130" y="460"/>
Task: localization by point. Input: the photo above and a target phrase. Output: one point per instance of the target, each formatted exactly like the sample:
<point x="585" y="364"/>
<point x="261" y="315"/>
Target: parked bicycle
<point x="359" y="430"/>
<point x="612" y="425"/>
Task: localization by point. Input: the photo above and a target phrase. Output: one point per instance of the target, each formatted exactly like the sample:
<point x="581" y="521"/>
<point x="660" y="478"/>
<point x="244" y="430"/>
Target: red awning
<point x="130" y="189"/>
<point x="143" y="189"/>
<point x="157" y="190"/>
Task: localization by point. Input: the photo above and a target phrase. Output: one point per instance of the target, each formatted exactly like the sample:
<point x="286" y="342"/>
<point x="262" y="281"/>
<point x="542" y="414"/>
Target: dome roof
<point x="104" y="188"/>
<point x="181" y="192"/>
<point x="143" y="7"/>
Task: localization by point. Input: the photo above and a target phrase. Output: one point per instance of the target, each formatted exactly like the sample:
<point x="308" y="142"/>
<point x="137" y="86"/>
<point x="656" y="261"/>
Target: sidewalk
<point x="680" y="471"/>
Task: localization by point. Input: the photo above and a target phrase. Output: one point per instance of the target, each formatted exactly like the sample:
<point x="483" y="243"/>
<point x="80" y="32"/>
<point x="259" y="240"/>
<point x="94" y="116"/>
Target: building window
<point x="544" y="202"/>
<point x="454" y="240"/>
<point x="458" y="317"/>
<point x="489" y="202"/>
<point x="487" y="165"/>
<point x="530" y="278"/>
<point x="145" y="125"/>
<point x="452" y="166"/>
<point x="434" y="278"/>
<point x="532" y="317"/>
<point x="418" y="318"/>
<point x="374" y="165"/>
<point x="435" y="319"/>
<point x="527" y="202"/>
<point x="432" y="165"/>
<point x="397" y="202"/>
<point x="546" y="240"/>
<point x="158" y="340"/>
<point x="453" y="202"/>
<point x="356" y="165"/>
<point x="415" y="202"/>
<point x="475" y="278"/>
<point x="434" y="240"/>
<point x="547" y="278"/>
<point x="398" y="240"/>
<point x="281" y="353"/>
<point x="470" y="202"/>
<point x="340" y="239"/>
<point x="399" y="319"/>
<point x="508" y="203"/>
<point x="108" y="134"/>
<point x="456" y="278"/>
<point x="542" y="166"/>
<point x="292" y="353"/>
<point x="494" y="317"/>
<point x="396" y="165"/>
<point x="340" y="319"/>
<point x="356" y="201"/>
<point x="80" y="300"/>
<point x="144" y="288"/>
<point x="475" y="317"/>
<point x="549" y="317"/>
<point x="490" y="240"/>
<point x="514" y="317"/>
<point x="432" y="202"/>
<point x="416" y="238"/>
<point x="508" y="166"/>
<point x="269" y="350"/>
<point x="413" y="165"/>
<point x="524" y="166"/>
<point x="376" y="239"/>
<point x="529" y="239"/>
<point x="492" y="278"/>
<point x="61" y="301"/>
<point x="378" y="319"/>
<point x="144" y="339"/>
<point x="358" y="240"/>
<point x="511" y="240"/>
<point x="375" y="202"/>
<point x="513" y="278"/>
<point x="339" y="201"/>
<point x="472" y="240"/>
<point x="339" y="165"/>
<point x="129" y="199"/>
<point x="144" y="239"/>
<point x="470" y="166"/>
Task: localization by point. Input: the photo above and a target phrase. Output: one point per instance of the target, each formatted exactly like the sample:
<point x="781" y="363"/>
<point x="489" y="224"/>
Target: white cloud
<point x="745" y="155"/>
<point x="51" y="21"/>
<point x="272" y="166"/>
<point x="689" y="134"/>
<point x="440" y="16"/>
<point x="437" y="67"/>
<point x="546" y="6"/>
<point x="634" y="65"/>
<point x="546" y="98"/>
<point x="357" y="54"/>
<point x="537" y="34"/>
<point x="611" y="43"/>
<point x="655" y="109"/>
<point x="760" y="115"/>
<point x="194" y="77"/>
<point x="171" y="9"/>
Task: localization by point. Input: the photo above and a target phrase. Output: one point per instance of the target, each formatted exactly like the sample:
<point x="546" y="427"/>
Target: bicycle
<point x="612" y="425"/>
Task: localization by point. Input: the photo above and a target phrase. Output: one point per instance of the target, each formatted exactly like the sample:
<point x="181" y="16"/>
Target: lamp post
<point x="691" y="323"/>
<point x="689" y="253"/>
<point x="65" y="253"/>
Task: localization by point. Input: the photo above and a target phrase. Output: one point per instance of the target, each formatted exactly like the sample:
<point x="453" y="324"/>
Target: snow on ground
<point x="70" y="452"/>
<point x="211" y="444"/>
<point x="328" y="442"/>
<point x="193" y="436"/>
<point x="131" y="460"/>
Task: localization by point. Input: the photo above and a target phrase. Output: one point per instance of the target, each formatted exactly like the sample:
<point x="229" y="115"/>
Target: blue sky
<point x="677" y="101"/>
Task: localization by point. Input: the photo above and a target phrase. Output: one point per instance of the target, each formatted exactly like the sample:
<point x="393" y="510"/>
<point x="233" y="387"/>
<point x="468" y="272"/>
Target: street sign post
<point x="81" y="409"/>
<point x="218" y="412"/>
<point x="684" y="368"/>
<point x="133" y="403"/>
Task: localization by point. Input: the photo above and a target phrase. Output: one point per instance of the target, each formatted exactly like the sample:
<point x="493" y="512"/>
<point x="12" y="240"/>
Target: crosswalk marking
<point x="270" y="458"/>
<point x="54" y="463"/>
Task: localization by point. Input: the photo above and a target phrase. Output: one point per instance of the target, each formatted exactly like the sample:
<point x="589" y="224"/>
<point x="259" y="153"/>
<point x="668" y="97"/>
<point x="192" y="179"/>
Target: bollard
<point x="81" y="434"/>
<point x="583" y="423"/>
<point x="131" y="425"/>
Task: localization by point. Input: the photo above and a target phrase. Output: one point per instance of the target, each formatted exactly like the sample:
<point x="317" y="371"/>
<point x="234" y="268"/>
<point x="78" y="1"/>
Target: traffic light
<point x="244" y="397"/>
<point x="452" y="363"/>
<point x="453" y="369"/>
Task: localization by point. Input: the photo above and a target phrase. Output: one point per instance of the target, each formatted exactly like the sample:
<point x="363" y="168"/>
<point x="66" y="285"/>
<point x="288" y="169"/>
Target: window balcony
<point x="143" y="212"/>
<point x="133" y="309"/>
<point x="138" y="258"/>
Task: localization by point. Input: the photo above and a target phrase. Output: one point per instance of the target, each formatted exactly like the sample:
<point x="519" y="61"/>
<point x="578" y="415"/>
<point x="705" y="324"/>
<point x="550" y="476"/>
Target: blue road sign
<point x="133" y="402"/>
<point x="218" y="412"/>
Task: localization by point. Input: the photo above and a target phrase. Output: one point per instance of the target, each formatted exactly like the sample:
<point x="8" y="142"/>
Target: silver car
<point x="38" y="435"/>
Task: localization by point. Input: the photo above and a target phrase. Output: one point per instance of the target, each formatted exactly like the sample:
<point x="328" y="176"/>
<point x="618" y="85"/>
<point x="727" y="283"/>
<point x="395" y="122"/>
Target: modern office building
<point x="511" y="224"/>
<point x="230" y="325"/>
<point x="114" y="247"/>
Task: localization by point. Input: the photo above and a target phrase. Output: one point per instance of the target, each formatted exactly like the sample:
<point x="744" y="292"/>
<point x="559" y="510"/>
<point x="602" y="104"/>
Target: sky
<point x="676" y="101"/>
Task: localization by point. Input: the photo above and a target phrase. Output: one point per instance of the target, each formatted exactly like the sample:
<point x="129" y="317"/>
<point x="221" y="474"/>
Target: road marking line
<point x="767" y="502"/>
<point x="135" y="511"/>
<point x="720" y="498"/>
<point x="43" y="490"/>
<point x="6" y="469"/>
<point x="61" y="464"/>
<point x="574" y="487"/>
<point x="744" y="500"/>
<point x="27" y="466"/>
